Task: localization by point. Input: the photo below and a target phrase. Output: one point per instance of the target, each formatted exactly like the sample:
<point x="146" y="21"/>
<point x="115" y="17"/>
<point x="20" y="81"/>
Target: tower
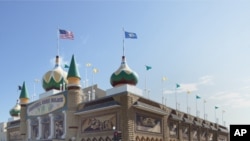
<point x="74" y="98"/>
<point x="24" y="100"/>
<point x="124" y="82"/>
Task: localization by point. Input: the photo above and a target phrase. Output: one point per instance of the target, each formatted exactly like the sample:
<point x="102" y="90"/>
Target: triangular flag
<point x="66" y="66"/>
<point x="164" y="78"/>
<point x="178" y="85"/>
<point x="148" y="67"/>
<point x="95" y="70"/>
<point x="198" y="97"/>
<point x="88" y="65"/>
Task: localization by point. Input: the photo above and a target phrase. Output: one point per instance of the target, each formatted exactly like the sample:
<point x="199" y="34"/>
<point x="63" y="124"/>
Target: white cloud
<point x="206" y="80"/>
<point x="192" y="87"/>
<point x="232" y="99"/>
<point x="184" y="88"/>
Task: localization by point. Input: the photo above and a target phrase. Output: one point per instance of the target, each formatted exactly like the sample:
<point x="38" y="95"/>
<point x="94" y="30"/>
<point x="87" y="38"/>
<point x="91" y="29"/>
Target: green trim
<point x="123" y="78"/>
<point x="73" y="70"/>
<point x="52" y="84"/>
<point x="24" y="92"/>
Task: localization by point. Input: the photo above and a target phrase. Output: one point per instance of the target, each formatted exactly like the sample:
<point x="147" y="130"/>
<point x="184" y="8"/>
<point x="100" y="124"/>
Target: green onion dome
<point x="124" y="75"/>
<point x="15" y="111"/>
<point x="55" y="78"/>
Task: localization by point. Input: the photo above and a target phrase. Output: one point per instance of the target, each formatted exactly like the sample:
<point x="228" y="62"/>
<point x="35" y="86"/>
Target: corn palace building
<point x="66" y="112"/>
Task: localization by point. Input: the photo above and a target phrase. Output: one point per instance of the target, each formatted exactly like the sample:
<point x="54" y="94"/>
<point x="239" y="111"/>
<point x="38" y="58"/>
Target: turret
<point x="24" y="100"/>
<point x="24" y="96"/>
<point x="73" y="75"/>
<point x="74" y="98"/>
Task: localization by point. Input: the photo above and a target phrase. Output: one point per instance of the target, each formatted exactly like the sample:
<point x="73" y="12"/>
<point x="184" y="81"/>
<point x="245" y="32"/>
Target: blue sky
<point x="203" y="45"/>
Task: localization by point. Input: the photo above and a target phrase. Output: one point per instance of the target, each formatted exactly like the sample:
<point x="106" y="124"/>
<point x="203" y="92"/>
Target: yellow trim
<point x="74" y="80"/>
<point x="24" y="100"/>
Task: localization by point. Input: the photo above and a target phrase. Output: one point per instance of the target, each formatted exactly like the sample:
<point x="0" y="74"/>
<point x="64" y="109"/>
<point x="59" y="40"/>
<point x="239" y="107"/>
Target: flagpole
<point x="215" y="115"/>
<point x="204" y="109"/>
<point x="57" y="40"/>
<point x="175" y="99"/>
<point x="123" y="52"/>
<point x="187" y="103"/>
<point x="162" y="91"/>
<point x="146" y="84"/>
<point x="196" y="106"/>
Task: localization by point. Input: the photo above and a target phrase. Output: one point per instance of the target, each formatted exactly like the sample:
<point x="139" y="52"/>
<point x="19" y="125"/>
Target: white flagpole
<point x="187" y="103"/>
<point x="162" y="90"/>
<point x="204" y="109"/>
<point x="57" y="40"/>
<point x="196" y="105"/>
<point x="123" y="34"/>
<point x="175" y="98"/>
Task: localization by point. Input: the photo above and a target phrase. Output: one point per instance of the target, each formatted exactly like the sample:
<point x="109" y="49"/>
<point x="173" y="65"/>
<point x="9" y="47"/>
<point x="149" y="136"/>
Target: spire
<point x="24" y="96"/>
<point x="73" y="70"/>
<point x="57" y="63"/>
<point x="73" y="74"/>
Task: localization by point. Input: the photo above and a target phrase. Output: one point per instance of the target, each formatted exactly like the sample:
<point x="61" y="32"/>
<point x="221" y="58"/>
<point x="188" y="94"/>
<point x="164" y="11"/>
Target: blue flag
<point x="130" y="35"/>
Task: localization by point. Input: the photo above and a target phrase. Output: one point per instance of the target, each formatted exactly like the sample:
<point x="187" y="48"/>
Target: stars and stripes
<point x="65" y="34"/>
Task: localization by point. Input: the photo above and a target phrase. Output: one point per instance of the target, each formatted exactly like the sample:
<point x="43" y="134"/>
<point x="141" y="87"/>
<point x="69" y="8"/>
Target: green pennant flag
<point x="148" y="67"/>
<point x="66" y="66"/>
<point x="198" y="97"/>
<point x="178" y="85"/>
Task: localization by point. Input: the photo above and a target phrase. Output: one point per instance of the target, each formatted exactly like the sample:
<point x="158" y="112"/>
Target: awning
<point x="147" y="107"/>
<point x="197" y="123"/>
<point x="98" y="107"/>
<point x="213" y="128"/>
<point x="187" y="120"/>
<point x="223" y="130"/>
<point x="175" y="117"/>
<point x="206" y="126"/>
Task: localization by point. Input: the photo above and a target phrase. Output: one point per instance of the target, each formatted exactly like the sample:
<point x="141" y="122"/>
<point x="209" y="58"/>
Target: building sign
<point x="46" y="105"/>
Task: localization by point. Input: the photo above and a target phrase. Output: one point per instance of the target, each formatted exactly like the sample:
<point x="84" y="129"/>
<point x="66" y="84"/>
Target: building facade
<point x="92" y="114"/>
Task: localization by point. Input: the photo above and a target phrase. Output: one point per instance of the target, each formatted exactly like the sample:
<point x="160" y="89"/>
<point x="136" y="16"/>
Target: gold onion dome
<point x="15" y="111"/>
<point x="124" y="75"/>
<point x="55" y="78"/>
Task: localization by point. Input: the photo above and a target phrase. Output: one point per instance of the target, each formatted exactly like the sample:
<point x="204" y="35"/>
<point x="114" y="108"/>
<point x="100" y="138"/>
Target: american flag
<point x="64" y="34"/>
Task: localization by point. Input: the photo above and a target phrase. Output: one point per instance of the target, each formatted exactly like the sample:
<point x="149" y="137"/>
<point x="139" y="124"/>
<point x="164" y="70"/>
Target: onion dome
<point x="124" y="75"/>
<point x="15" y="111"/>
<point x="54" y="78"/>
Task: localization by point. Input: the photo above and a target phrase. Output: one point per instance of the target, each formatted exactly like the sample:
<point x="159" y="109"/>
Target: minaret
<point x="74" y="99"/>
<point x="24" y="100"/>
